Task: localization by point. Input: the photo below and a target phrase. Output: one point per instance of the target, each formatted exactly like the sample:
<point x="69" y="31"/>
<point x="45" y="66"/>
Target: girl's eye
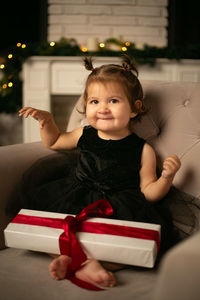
<point x="94" y="101"/>
<point x="114" y="101"/>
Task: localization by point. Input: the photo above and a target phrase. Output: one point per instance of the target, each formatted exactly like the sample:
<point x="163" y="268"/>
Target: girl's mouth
<point x="105" y="118"/>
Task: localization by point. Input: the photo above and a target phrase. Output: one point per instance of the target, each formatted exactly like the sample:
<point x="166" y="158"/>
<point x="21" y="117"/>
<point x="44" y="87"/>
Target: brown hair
<point x="126" y="74"/>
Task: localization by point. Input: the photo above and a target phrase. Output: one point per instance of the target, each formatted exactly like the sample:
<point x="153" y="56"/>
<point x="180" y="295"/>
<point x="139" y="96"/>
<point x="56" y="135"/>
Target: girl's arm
<point x="49" y="132"/>
<point x="155" y="189"/>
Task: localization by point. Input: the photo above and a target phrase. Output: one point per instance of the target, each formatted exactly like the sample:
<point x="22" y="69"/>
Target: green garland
<point x="11" y="66"/>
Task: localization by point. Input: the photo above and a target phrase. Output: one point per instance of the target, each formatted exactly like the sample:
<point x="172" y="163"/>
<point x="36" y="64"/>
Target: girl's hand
<point x="170" y="166"/>
<point x="41" y="116"/>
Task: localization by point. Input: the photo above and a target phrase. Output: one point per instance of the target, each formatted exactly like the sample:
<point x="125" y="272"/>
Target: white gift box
<point x="105" y="247"/>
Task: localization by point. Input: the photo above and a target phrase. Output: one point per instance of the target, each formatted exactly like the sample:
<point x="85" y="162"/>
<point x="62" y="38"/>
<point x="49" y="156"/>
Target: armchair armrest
<point x="14" y="161"/>
<point x="180" y="271"/>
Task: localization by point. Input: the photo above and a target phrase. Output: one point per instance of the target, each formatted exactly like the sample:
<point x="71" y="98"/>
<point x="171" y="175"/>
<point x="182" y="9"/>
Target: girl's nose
<point x="103" y="108"/>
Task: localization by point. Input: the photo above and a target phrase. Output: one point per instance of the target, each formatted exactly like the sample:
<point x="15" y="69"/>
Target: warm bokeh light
<point x="124" y="49"/>
<point x="84" y="49"/>
<point x="127" y="44"/>
<point x="10" y="84"/>
<point x="101" y="45"/>
<point x="10" y="56"/>
<point x="19" y="44"/>
<point x="52" y="44"/>
<point x="2" y="66"/>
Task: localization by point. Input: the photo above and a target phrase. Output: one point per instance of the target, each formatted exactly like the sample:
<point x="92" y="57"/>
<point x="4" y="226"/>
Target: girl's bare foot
<point x="93" y="272"/>
<point x="58" y="267"/>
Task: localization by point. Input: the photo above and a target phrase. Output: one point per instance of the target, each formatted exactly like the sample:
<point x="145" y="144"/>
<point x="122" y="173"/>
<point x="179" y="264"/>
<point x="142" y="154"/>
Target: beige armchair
<point x="173" y="126"/>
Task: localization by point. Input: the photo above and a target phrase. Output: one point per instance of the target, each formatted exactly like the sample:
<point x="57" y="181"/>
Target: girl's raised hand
<point x="41" y="116"/>
<point x="171" y="166"/>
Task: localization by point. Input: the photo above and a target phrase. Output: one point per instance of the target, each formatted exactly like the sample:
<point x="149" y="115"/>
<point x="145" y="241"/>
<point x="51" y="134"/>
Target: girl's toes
<point x="106" y="279"/>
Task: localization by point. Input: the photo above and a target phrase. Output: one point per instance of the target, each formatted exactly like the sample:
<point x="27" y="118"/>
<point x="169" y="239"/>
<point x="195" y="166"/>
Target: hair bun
<point x="88" y="63"/>
<point x="129" y="64"/>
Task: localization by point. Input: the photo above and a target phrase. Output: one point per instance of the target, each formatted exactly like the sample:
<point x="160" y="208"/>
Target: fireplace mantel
<point x="45" y="76"/>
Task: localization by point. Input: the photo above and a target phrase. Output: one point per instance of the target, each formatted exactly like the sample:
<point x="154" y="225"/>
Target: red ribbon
<point x="69" y="245"/>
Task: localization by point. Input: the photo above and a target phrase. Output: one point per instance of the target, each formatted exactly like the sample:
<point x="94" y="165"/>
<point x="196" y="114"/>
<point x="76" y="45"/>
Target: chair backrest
<point x="171" y="127"/>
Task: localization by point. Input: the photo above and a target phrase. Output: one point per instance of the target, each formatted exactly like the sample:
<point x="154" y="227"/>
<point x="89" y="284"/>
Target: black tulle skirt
<point x="51" y="185"/>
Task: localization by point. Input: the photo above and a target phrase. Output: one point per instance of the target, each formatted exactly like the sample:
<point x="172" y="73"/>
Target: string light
<point x="21" y="45"/>
<point x="84" y="49"/>
<point x="2" y="66"/>
<point x="52" y="44"/>
<point x="101" y="45"/>
<point x="10" y="84"/>
<point x="4" y="86"/>
<point x="127" y="44"/>
<point x="10" y="56"/>
<point x="124" y="49"/>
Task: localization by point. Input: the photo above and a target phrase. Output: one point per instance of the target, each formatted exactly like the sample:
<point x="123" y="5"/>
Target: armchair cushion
<point x="180" y="271"/>
<point x="15" y="160"/>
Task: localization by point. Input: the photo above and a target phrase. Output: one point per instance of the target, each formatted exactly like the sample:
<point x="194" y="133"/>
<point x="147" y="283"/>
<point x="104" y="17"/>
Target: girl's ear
<point x="137" y="108"/>
<point x="138" y="105"/>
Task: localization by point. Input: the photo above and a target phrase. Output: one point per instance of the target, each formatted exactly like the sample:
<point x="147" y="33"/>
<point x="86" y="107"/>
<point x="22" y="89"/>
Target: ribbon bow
<point x="69" y="245"/>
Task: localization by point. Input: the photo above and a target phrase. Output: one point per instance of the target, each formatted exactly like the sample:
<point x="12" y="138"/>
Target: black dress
<point x="106" y="169"/>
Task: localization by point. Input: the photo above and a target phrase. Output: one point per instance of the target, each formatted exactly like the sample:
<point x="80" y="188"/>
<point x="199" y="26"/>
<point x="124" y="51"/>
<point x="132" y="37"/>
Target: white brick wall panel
<point x="157" y="21"/>
<point x="112" y="2"/>
<point x="87" y="9"/>
<point x="55" y="9"/>
<point x="164" y="12"/>
<point x="144" y="21"/>
<point x="137" y="11"/>
<point x="55" y="29"/>
<point x="107" y="20"/>
<point x="136" y="30"/>
<point x="54" y="37"/>
<point x="67" y="19"/>
<point x="79" y="38"/>
<point x="153" y="41"/>
<point x="67" y="1"/>
<point x="163" y="32"/>
<point x="152" y="2"/>
<point x="85" y="29"/>
<point x="82" y="39"/>
<point x="140" y="41"/>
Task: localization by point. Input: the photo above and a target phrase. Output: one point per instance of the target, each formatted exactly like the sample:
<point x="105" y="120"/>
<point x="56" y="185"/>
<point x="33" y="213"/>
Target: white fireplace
<point x="44" y="78"/>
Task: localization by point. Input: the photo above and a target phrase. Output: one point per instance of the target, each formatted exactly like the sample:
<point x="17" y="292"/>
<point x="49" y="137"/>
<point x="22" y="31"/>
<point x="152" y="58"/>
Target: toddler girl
<point x="114" y="163"/>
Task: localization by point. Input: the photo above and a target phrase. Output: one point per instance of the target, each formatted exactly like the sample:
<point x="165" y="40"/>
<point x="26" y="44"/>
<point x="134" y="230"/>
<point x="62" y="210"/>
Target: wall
<point x="139" y="21"/>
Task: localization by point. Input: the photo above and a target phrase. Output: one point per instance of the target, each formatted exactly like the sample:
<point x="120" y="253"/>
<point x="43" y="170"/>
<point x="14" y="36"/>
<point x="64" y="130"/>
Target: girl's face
<point x="108" y="110"/>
